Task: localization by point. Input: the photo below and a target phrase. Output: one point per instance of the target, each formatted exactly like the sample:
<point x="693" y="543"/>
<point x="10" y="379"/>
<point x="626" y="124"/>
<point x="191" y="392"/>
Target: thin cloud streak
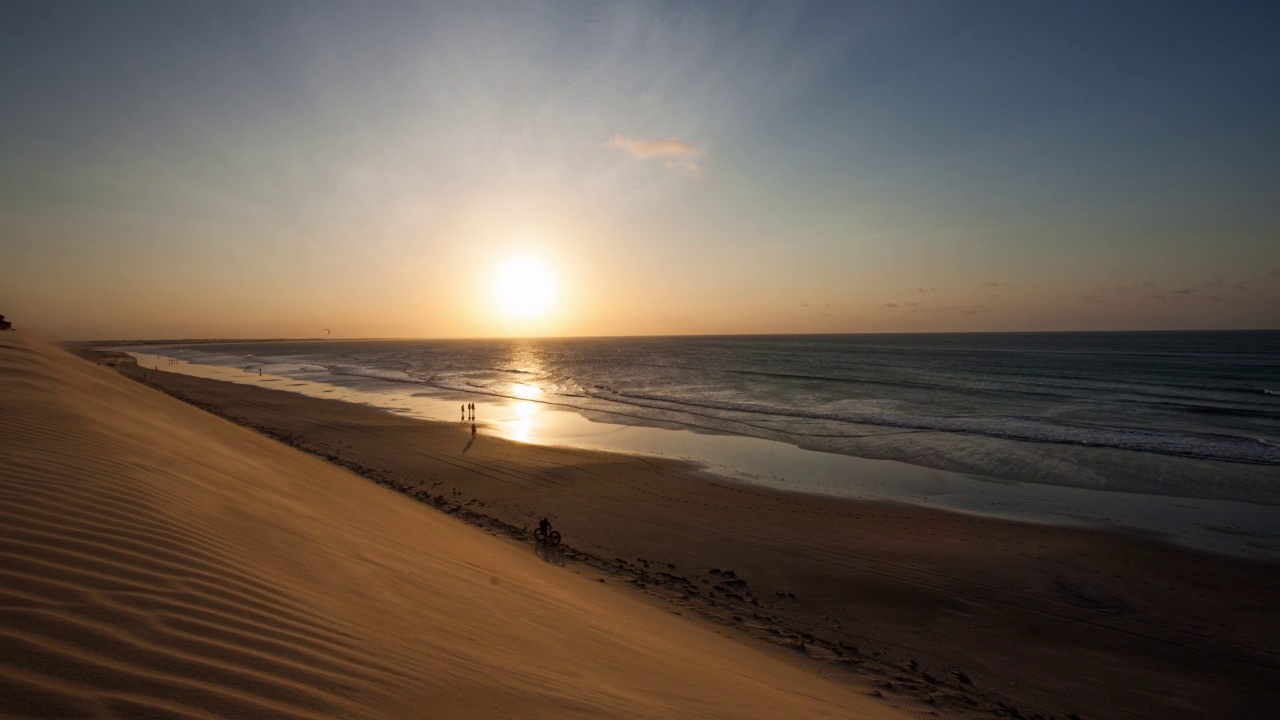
<point x="642" y="148"/>
<point x="679" y="156"/>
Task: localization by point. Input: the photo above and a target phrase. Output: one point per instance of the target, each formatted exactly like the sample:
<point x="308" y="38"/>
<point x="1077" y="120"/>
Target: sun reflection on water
<point x="523" y="418"/>
<point x="525" y="391"/>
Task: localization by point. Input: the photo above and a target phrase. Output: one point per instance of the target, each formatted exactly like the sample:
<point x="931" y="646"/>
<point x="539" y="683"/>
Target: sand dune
<point x="970" y="614"/>
<point x="157" y="561"/>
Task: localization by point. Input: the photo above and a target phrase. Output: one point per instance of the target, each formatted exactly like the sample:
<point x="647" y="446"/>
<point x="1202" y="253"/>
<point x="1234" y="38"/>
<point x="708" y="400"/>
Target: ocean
<point x="1184" y="414"/>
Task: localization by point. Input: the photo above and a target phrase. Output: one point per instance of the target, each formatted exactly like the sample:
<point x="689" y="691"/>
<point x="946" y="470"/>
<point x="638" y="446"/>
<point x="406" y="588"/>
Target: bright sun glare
<point x="524" y="288"/>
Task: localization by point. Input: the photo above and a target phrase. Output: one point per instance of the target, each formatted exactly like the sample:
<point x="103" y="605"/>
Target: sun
<point x="524" y="288"/>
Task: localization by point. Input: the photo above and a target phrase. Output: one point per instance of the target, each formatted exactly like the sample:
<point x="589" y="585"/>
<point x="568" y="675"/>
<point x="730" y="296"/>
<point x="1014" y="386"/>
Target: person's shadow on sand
<point x="470" y="442"/>
<point x="549" y="554"/>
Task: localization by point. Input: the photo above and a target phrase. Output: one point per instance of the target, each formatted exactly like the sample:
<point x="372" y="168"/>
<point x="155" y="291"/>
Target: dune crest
<point x="158" y="561"/>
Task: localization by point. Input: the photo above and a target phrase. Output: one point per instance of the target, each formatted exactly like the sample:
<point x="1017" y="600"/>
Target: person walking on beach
<point x="473" y="429"/>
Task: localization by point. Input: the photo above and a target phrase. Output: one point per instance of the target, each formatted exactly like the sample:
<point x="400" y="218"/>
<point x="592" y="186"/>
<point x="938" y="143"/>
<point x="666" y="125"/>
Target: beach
<point x="954" y="613"/>
<point x="639" y="360"/>
<point x="157" y="561"/>
<point x="1169" y="434"/>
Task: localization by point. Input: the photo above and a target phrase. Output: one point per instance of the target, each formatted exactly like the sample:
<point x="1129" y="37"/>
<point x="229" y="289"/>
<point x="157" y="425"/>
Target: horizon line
<point x="211" y="340"/>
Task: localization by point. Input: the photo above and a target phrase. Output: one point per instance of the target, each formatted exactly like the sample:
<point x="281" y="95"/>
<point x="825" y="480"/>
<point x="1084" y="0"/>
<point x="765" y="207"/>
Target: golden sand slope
<point x="156" y="561"/>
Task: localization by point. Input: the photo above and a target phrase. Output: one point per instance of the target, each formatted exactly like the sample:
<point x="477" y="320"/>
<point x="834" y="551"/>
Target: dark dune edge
<point x="971" y="616"/>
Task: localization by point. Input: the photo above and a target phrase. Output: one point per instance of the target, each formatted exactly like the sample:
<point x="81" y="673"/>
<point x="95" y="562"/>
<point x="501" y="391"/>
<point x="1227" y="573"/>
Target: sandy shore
<point x="158" y="561"/>
<point x="156" y="558"/>
<point x="963" y="614"/>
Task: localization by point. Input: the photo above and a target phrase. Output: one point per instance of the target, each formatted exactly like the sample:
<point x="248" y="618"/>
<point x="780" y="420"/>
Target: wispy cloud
<point x="642" y="148"/>
<point x="677" y="154"/>
<point x="891" y="305"/>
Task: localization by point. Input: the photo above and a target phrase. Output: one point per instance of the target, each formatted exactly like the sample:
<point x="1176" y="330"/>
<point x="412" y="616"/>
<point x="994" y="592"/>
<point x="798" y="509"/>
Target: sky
<point x="180" y="170"/>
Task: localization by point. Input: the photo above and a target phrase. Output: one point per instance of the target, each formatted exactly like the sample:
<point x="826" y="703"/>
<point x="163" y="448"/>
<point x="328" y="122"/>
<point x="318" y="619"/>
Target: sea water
<point x="1191" y="415"/>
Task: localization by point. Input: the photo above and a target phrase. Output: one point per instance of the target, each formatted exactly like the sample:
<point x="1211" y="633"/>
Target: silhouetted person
<point x="473" y="429"/>
<point x="545" y="526"/>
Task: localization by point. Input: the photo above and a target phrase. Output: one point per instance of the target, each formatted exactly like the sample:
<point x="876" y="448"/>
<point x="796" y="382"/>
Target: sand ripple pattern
<point x="120" y="594"/>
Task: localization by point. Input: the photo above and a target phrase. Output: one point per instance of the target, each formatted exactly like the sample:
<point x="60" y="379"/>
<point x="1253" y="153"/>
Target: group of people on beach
<point x="469" y="413"/>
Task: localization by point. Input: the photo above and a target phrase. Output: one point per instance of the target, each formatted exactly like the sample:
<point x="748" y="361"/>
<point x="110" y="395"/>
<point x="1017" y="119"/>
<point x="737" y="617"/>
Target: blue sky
<point x="183" y="169"/>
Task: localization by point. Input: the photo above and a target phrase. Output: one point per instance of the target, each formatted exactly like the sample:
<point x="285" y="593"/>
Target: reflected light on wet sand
<point x="521" y="429"/>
